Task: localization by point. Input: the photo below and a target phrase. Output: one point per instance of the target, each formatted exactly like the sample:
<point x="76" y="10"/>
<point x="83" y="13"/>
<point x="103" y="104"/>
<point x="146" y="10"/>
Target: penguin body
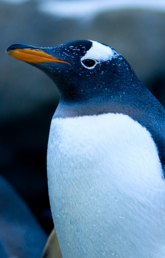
<point x="101" y="200"/>
<point x="105" y="154"/>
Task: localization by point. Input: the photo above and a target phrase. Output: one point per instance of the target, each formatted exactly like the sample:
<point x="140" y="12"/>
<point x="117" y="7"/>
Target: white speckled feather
<point x="106" y="189"/>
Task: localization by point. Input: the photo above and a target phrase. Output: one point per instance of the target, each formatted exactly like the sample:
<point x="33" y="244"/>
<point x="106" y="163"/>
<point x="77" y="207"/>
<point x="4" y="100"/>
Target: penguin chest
<point x="106" y="189"/>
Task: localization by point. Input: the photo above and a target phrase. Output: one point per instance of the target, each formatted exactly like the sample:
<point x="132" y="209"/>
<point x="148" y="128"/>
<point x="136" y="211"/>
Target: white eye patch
<point x="99" y="52"/>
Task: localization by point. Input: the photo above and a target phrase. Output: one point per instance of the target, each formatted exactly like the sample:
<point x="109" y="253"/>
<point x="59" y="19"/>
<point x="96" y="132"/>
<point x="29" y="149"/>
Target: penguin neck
<point x="91" y="107"/>
<point x="122" y="101"/>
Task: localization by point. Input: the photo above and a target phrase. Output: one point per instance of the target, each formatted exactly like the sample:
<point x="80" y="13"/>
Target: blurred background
<point x="28" y="98"/>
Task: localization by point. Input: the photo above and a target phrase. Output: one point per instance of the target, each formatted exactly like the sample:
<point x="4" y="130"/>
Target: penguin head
<point x="82" y="69"/>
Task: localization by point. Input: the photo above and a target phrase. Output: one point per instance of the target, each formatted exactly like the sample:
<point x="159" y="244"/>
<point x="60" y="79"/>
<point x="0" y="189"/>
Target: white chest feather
<point x="106" y="189"/>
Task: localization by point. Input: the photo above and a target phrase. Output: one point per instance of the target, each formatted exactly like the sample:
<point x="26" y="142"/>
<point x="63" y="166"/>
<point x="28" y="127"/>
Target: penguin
<point x="106" y="153"/>
<point x="20" y="233"/>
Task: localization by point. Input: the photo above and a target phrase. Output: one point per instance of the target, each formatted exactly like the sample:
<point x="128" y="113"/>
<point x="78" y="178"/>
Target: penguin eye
<point x="89" y="63"/>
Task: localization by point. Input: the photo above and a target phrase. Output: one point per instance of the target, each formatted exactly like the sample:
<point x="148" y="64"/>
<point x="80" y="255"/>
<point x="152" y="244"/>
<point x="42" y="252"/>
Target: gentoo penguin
<point x="106" y="153"/>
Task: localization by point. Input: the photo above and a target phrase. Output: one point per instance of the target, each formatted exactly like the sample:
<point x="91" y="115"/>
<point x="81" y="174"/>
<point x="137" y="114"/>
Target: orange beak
<point x="32" y="55"/>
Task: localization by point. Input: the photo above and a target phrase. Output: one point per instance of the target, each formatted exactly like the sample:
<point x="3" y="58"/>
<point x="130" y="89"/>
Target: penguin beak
<point x="31" y="54"/>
